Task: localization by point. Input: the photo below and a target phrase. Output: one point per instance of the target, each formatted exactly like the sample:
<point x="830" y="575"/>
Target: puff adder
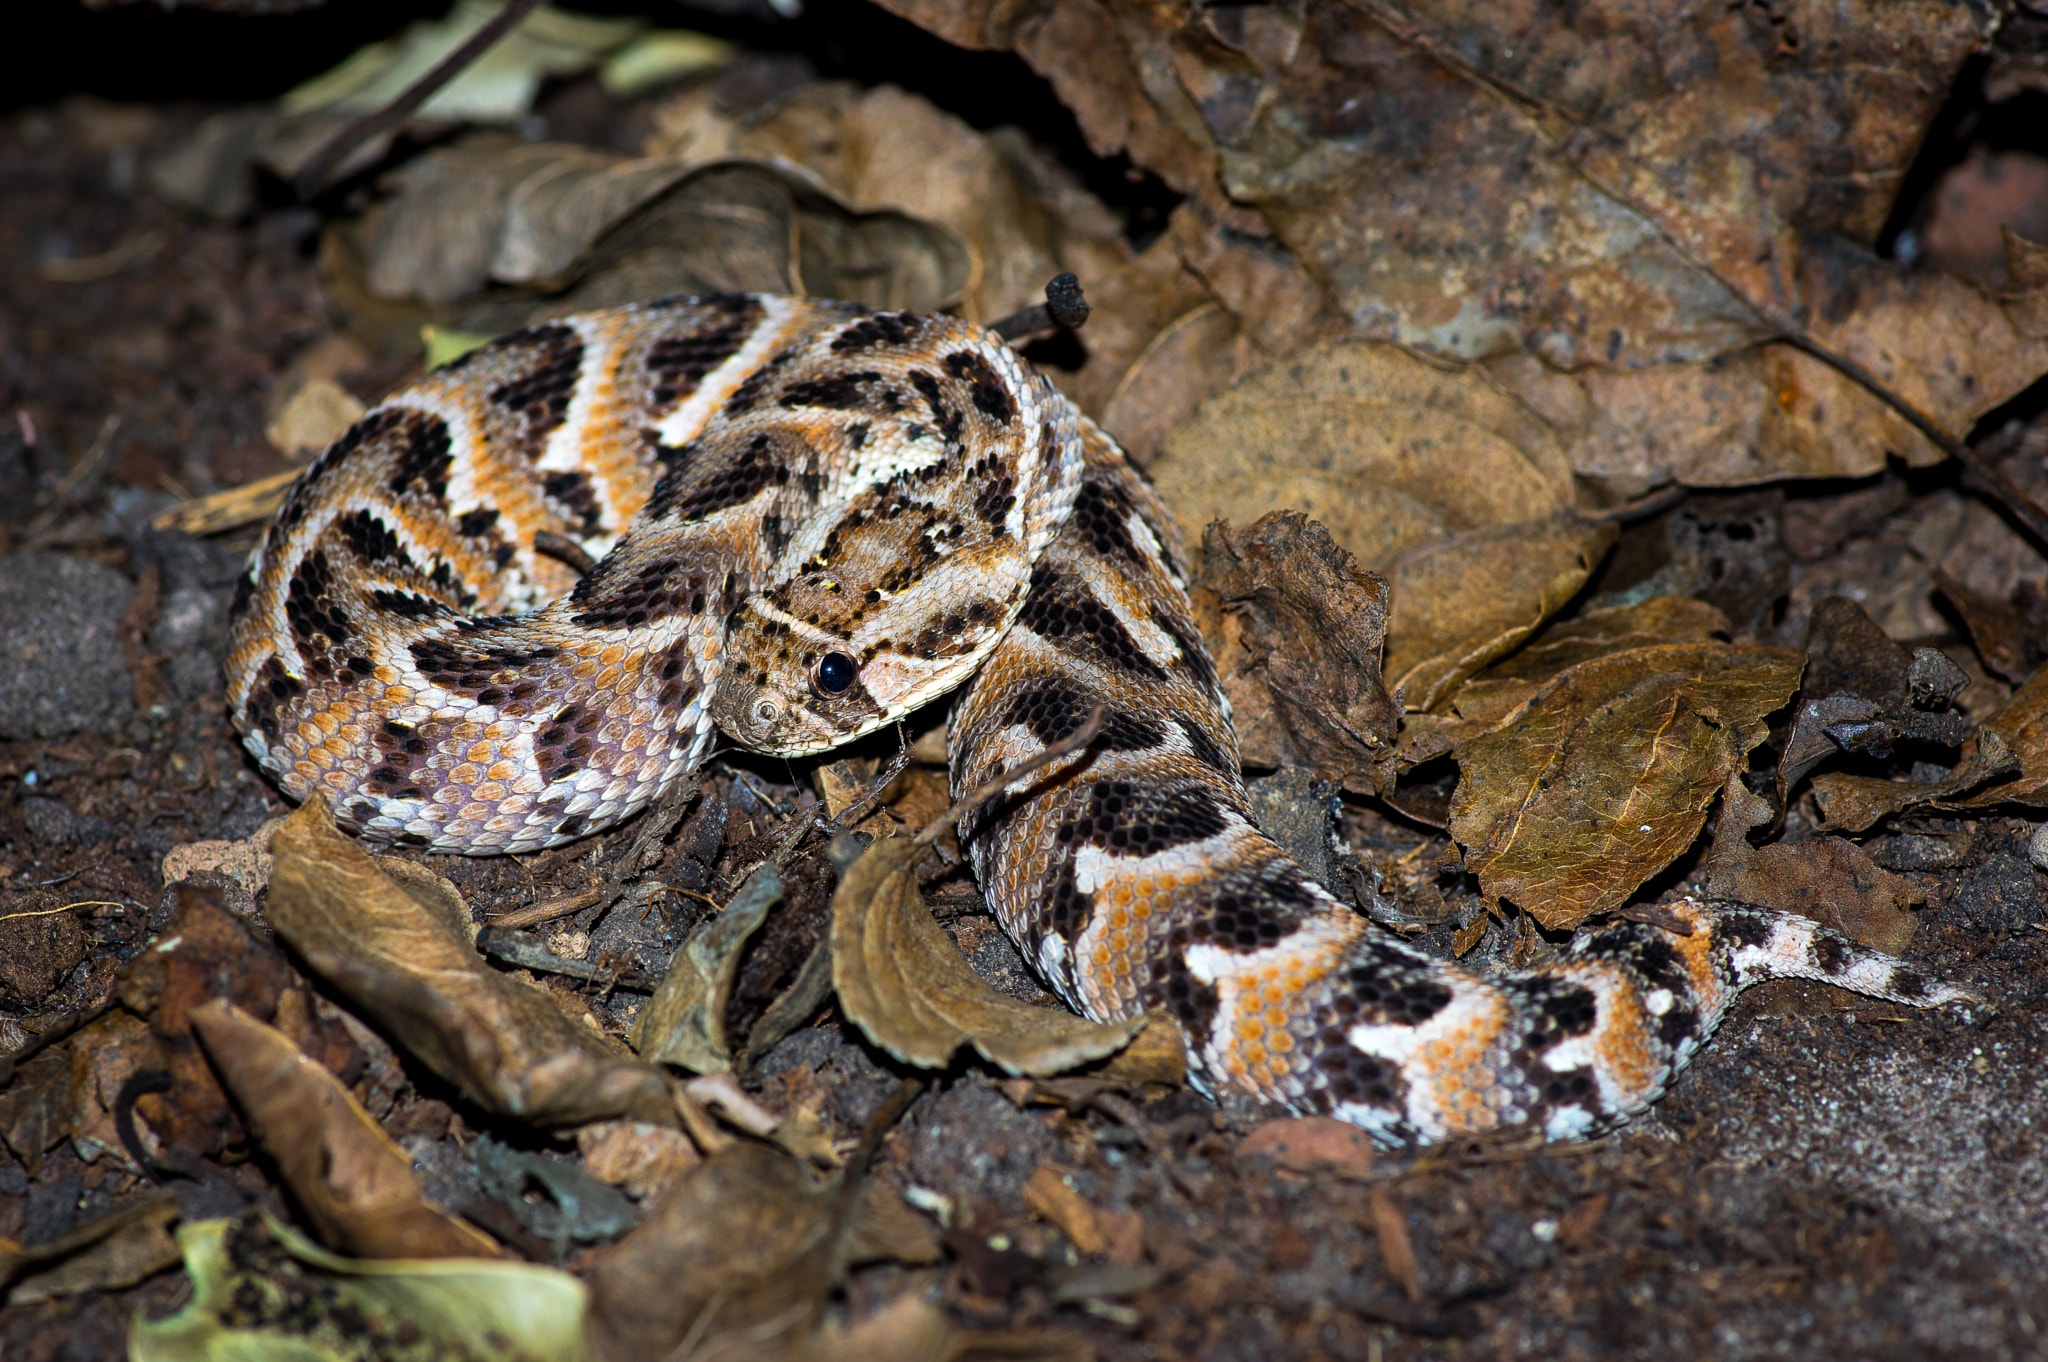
<point x="807" y="518"/>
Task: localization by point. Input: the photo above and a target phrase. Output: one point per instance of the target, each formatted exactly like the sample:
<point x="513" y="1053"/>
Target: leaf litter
<point x="1477" y="306"/>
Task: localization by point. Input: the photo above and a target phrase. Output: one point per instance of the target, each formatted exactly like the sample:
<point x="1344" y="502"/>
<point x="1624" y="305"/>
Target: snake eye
<point x="835" y="673"/>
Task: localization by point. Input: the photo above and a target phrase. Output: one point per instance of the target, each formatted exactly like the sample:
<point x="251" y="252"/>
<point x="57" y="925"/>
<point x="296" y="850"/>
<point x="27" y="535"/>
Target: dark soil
<point x="1833" y="1178"/>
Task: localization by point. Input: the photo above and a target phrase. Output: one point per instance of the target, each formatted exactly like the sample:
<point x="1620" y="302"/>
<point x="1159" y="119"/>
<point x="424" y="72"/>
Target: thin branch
<point x="996" y="784"/>
<point x="312" y="177"/>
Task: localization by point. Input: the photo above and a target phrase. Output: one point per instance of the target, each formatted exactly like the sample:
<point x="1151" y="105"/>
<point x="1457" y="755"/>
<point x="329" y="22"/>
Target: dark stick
<point x="1064" y="309"/>
<point x="312" y="177"/>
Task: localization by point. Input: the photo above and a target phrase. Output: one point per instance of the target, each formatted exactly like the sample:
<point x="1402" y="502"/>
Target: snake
<point x="528" y="592"/>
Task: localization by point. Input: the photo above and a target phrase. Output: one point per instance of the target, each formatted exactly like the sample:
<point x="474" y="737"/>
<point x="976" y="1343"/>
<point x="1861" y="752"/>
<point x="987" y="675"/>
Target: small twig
<point x="1064" y="309"/>
<point x="312" y="177"/>
<point x="547" y="910"/>
<point x="996" y="784"/>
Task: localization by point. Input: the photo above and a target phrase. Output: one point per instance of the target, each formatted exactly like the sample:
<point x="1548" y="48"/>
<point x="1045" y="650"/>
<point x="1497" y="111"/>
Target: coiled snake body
<point x="807" y="518"/>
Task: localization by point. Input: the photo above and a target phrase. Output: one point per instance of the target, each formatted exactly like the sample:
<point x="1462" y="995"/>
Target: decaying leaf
<point x="603" y="230"/>
<point x="1606" y="774"/>
<point x="404" y="958"/>
<point x="905" y="984"/>
<point x="745" y="1246"/>
<point x="106" y="1253"/>
<point x="1297" y="629"/>
<point x="259" y="1290"/>
<point x="684" y="1023"/>
<point x="1828" y="879"/>
<point x="1463" y="602"/>
<point x="1389" y="451"/>
<point x="1495" y="693"/>
<point x="1630" y="202"/>
<point x="354" y="1184"/>
<point x="2004" y="761"/>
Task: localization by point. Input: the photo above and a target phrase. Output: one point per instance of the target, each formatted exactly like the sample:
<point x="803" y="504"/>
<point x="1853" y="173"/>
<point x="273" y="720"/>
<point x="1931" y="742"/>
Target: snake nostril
<point x="766" y="712"/>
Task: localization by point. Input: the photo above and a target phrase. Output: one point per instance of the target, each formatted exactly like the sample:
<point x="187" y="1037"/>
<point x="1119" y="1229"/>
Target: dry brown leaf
<point x="901" y="979"/>
<point x="911" y="1328"/>
<point x="744" y="1247"/>
<point x="1428" y="473"/>
<point x="106" y="1253"/>
<point x="1830" y="880"/>
<point x="317" y="414"/>
<point x="1049" y="1196"/>
<point x="354" y="1184"/>
<point x="1463" y="602"/>
<point x="612" y="230"/>
<point x="2004" y="761"/>
<point x="684" y="1023"/>
<point x="1389" y="451"/>
<point x="1631" y="203"/>
<point x="643" y="1159"/>
<point x="1196" y="356"/>
<point x="1296" y="627"/>
<point x="1495" y="693"/>
<point x="406" y="961"/>
<point x="1309" y="1144"/>
<point x="1605" y="776"/>
<point x="2006" y="639"/>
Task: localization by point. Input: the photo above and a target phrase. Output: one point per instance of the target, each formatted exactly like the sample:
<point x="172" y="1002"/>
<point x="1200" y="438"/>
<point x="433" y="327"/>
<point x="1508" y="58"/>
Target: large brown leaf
<point x="399" y="952"/>
<point x="1606" y="774"/>
<point x="905" y="984"/>
<point x="355" y="1185"/>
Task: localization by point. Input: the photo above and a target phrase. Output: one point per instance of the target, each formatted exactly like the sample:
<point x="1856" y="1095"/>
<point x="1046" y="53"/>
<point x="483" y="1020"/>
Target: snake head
<point x="791" y="696"/>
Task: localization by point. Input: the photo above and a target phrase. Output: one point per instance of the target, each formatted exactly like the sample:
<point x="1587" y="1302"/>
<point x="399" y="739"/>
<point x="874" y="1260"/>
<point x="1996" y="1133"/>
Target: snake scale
<point x="804" y="518"/>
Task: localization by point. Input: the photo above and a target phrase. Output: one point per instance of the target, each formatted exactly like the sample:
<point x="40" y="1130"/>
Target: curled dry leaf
<point x="745" y="1246"/>
<point x="1296" y="627"/>
<point x="684" y="1023"/>
<point x="1605" y="775"/>
<point x="2004" y="761"/>
<point x="1498" y="691"/>
<point x="106" y="1253"/>
<point x="261" y="1291"/>
<point x="1463" y="602"/>
<point x="353" y="1183"/>
<point x="905" y="984"/>
<point x="405" y="960"/>
<point x="612" y="230"/>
